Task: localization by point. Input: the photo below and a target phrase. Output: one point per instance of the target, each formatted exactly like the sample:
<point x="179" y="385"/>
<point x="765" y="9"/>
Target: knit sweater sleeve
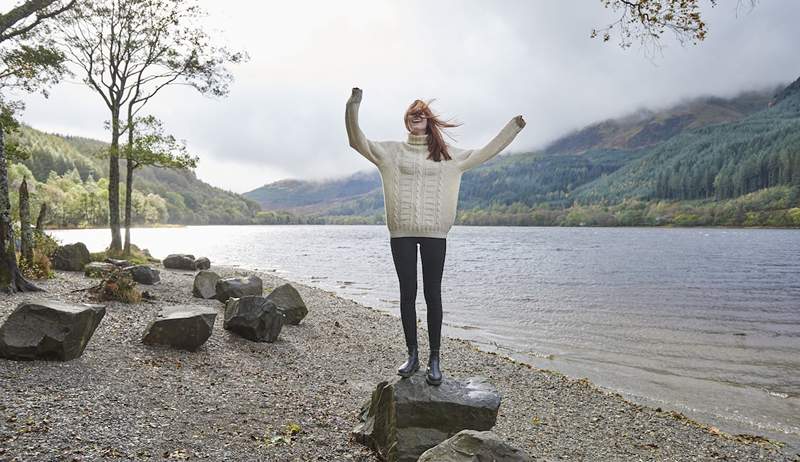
<point x="474" y="157"/>
<point x="367" y="148"/>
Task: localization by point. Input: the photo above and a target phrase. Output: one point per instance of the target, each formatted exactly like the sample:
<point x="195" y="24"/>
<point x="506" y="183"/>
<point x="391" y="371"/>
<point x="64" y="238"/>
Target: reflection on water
<point x="706" y="321"/>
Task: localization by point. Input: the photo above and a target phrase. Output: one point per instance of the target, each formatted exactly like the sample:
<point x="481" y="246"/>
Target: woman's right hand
<point x="355" y="97"/>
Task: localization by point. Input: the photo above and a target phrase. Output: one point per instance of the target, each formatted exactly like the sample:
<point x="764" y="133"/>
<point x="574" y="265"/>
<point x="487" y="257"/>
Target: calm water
<point x="703" y="321"/>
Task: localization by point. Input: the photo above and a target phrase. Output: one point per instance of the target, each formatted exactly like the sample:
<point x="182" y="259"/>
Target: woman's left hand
<point x="520" y="121"/>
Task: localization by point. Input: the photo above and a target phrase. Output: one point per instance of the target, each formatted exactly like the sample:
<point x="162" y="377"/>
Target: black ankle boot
<point x="411" y="365"/>
<point x="433" y="374"/>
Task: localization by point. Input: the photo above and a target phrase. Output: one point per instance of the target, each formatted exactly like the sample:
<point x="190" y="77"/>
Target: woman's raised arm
<point x="475" y="157"/>
<point x="358" y="141"/>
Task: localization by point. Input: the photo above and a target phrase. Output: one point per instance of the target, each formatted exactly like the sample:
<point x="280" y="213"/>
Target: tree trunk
<point x="40" y="219"/>
<point x="129" y="182"/>
<point x="113" y="186"/>
<point x="26" y="234"/>
<point x="11" y="279"/>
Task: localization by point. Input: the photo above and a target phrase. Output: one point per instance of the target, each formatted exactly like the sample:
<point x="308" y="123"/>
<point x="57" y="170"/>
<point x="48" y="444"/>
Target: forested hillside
<point x="71" y="174"/>
<point x="693" y="164"/>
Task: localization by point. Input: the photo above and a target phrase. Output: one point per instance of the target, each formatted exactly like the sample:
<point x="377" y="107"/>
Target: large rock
<point x="406" y="417"/>
<point x="202" y="263"/>
<point x="143" y="274"/>
<point x="471" y="446"/>
<point x="289" y="302"/>
<point x="205" y="284"/>
<point x="47" y="329"/>
<point x="181" y="326"/>
<point x="238" y="287"/>
<point x="254" y="318"/>
<point x="71" y="257"/>
<point x="98" y="269"/>
<point x="117" y="262"/>
<point x="182" y="261"/>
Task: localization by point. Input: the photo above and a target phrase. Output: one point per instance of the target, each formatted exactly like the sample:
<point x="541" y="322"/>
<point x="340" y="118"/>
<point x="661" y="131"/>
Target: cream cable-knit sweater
<point x="420" y="195"/>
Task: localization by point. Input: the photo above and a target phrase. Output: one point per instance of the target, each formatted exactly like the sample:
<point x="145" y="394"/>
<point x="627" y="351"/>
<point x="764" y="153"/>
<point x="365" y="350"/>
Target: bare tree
<point x="128" y="51"/>
<point x="28" y="63"/>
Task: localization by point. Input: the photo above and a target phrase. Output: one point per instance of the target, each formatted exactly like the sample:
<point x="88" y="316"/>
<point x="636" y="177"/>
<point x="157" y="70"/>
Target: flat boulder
<point x="181" y="326"/>
<point x="235" y="287"/>
<point x="254" y="318"/>
<point x="182" y="261"/>
<point x="202" y="263"/>
<point x="472" y="445"/>
<point x="405" y="416"/>
<point x="98" y="269"/>
<point x="71" y="257"/>
<point x="48" y="329"/>
<point x="205" y="284"/>
<point x="289" y="302"/>
<point x="116" y="262"/>
<point x="143" y="274"/>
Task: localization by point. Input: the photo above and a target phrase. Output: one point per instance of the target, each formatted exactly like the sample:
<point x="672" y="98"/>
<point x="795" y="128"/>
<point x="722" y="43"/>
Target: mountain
<point x="605" y="162"/>
<point x="75" y="166"/>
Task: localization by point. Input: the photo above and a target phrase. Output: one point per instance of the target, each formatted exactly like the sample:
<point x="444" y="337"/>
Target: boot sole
<point x="433" y="382"/>
<point x="408" y="374"/>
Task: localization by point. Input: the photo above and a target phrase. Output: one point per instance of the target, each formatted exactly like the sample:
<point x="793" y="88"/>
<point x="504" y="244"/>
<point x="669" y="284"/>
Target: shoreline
<point x="231" y="398"/>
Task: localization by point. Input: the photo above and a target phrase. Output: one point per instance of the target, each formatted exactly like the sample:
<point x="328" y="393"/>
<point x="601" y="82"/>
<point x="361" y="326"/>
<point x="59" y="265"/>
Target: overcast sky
<point x="484" y="62"/>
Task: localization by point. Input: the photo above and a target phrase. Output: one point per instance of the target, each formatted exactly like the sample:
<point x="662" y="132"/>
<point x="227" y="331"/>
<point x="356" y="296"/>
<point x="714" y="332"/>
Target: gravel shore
<point x="298" y="398"/>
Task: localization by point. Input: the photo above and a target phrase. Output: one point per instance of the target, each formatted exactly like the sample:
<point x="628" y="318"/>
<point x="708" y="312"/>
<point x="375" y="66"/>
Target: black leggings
<point x="404" y="253"/>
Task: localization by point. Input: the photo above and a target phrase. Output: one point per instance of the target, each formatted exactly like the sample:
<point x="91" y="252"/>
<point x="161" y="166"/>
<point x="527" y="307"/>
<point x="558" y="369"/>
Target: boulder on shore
<point x="289" y="302"/>
<point x="97" y="269"/>
<point x="182" y="261"/>
<point x="181" y="326"/>
<point x="48" y="329"/>
<point x="143" y="274"/>
<point x="254" y="318"/>
<point x="117" y="262"/>
<point x="71" y="257"/>
<point x="405" y="416"/>
<point x="202" y="263"/>
<point x="472" y="445"/>
<point x="205" y="284"/>
<point x="238" y="287"/>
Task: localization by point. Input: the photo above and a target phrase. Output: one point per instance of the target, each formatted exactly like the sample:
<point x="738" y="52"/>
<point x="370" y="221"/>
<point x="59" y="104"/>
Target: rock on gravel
<point x="202" y="263"/>
<point x="47" y="329"/>
<point x="98" y="269"/>
<point x="254" y="318"/>
<point x="143" y="274"/>
<point x="182" y="261"/>
<point x="238" y="287"/>
<point x="182" y="326"/>
<point x="471" y="446"/>
<point x="205" y="284"/>
<point x="406" y="416"/>
<point x="71" y="257"/>
<point x="289" y="302"/>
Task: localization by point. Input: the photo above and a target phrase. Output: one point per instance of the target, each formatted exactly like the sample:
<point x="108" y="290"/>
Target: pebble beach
<point x="298" y="399"/>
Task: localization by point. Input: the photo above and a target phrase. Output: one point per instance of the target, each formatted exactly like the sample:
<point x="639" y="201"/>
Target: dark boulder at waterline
<point x="289" y="302"/>
<point x="238" y="287"/>
<point x="202" y="263"/>
<point x="71" y="257"/>
<point x="143" y="274"/>
<point x="182" y="261"/>
<point x="48" y="329"/>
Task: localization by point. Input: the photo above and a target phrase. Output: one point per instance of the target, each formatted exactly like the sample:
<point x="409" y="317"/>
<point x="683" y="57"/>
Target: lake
<point x="702" y="321"/>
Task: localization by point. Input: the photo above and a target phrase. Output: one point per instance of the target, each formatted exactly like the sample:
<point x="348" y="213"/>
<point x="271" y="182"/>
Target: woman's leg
<point x="404" y="254"/>
<point x="432" y="250"/>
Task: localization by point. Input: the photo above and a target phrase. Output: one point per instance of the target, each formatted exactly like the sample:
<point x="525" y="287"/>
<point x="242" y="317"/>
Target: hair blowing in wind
<point x="436" y="145"/>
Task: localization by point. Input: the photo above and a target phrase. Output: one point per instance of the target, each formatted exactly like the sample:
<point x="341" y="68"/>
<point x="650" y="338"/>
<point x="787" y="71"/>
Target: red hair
<point x="437" y="148"/>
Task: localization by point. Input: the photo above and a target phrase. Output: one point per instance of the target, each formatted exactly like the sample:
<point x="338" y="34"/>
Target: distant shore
<point x="233" y="399"/>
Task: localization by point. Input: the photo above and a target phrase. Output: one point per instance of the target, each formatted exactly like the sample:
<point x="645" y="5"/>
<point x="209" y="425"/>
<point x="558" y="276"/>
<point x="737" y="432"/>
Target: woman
<point x="421" y="178"/>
